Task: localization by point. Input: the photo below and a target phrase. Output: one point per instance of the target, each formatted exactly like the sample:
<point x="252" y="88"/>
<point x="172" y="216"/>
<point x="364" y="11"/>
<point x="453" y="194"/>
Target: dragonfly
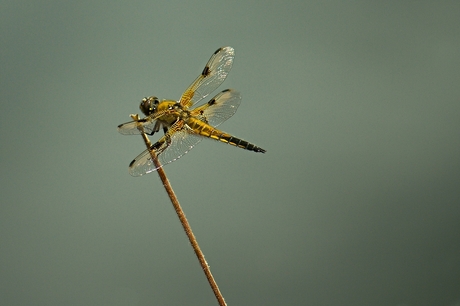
<point x="183" y="126"/>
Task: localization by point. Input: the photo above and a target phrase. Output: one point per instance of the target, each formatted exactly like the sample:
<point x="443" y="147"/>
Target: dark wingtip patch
<point x="218" y="50"/>
<point x="131" y="163"/>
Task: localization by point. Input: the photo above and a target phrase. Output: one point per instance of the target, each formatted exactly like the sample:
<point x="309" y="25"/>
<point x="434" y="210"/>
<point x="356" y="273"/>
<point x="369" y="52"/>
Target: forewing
<point x="219" y="108"/>
<point x="177" y="142"/>
<point x="149" y="124"/>
<point x="131" y="128"/>
<point x="214" y="73"/>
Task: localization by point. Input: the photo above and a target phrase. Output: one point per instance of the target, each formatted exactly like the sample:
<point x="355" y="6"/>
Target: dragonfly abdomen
<point x="208" y="131"/>
<point x="237" y="142"/>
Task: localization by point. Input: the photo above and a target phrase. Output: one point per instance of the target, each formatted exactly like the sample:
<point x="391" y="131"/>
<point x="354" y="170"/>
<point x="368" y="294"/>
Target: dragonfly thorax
<point x="149" y="105"/>
<point x="168" y="111"/>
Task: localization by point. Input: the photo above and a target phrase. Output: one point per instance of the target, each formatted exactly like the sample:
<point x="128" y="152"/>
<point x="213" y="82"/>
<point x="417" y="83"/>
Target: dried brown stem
<point x="183" y="220"/>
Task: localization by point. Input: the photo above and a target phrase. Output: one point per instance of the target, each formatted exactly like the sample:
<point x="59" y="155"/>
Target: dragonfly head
<point x="149" y="105"/>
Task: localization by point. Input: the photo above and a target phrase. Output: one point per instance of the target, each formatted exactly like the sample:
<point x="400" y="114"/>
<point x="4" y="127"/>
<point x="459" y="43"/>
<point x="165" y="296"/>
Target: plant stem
<point x="183" y="220"/>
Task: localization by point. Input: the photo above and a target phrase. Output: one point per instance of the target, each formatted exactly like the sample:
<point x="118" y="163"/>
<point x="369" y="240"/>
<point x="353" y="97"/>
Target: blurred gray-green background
<point x="356" y="201"/>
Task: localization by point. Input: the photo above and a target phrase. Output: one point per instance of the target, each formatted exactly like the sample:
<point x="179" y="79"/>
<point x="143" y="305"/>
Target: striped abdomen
<point x="208" y="131"/>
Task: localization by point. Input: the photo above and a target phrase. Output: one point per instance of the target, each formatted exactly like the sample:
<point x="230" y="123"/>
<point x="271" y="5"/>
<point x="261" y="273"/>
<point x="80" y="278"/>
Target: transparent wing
<point x="177" y="142"/>
<point x="214" y="73"/>
<point x="180" y="143"/>
<point x="131" y="128"/>
<point x="142" y="164"/>
<point x="219" y="108"/>
<point x="149" y="124"/>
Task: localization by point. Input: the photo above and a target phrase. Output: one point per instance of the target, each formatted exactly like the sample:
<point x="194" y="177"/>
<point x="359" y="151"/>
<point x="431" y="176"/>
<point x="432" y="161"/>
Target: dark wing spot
<point x="212" y="102"/>
<point x="205" y="71"/>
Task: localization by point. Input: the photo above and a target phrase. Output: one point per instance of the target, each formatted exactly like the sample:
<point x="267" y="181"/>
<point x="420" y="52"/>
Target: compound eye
<point x="149" y="105"/>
